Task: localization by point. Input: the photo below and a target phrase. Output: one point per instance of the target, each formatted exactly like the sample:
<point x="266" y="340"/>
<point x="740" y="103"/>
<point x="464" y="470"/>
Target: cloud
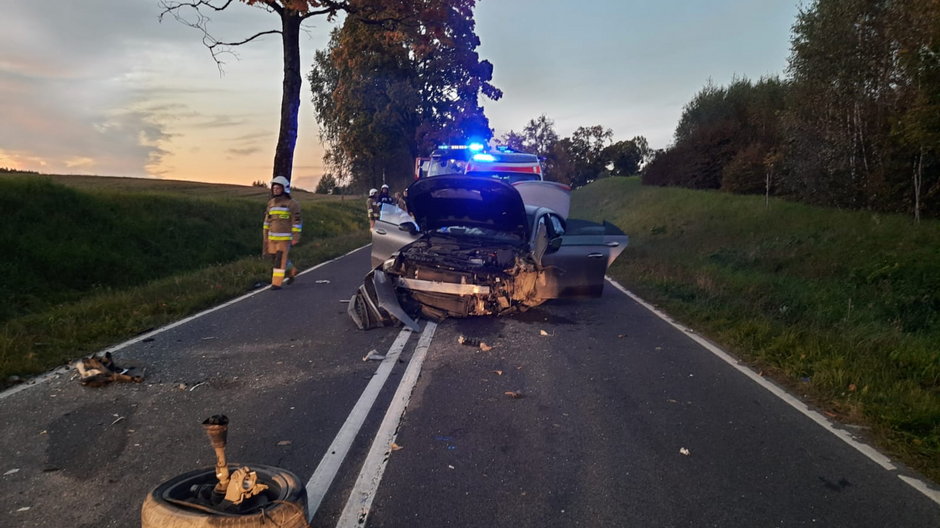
<point x="243" y="151"/>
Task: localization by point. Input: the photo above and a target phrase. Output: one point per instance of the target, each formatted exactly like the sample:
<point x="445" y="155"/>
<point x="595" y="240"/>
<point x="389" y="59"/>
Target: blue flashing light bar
<point x="475" y="147"/>
<point x="483" y="157"/>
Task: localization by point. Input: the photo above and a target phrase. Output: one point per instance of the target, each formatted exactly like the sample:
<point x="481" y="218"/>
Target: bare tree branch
<point x="216" y="47"/>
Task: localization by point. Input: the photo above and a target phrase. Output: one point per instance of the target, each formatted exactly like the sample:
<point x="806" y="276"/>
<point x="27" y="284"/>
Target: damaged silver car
<point x="478" y="246"/>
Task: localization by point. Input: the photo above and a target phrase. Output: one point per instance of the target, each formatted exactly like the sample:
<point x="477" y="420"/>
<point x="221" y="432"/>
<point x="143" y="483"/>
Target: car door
<point x="578" y="265"/>
<point x="390" y="233"/>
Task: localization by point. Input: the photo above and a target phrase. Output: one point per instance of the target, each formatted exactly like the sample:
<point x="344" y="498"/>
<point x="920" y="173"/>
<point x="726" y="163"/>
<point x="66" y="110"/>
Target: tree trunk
<point x="290" y="96"/>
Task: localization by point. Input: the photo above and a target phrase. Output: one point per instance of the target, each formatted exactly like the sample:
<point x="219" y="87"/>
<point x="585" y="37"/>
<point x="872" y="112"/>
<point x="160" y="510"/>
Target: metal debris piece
<point x="284" y="443"/>
<point x="322" y="281"/>
<point x="12" y="471"/>
<point x="684" y="451"/>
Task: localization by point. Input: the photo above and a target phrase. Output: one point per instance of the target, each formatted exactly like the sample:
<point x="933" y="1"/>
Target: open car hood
<point x="444" y="201"/>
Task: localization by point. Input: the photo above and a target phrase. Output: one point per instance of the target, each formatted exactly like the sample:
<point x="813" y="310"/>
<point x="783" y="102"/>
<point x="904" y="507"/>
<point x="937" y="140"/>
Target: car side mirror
<point x="410" y="227"/>
<point x="553" y="245"/>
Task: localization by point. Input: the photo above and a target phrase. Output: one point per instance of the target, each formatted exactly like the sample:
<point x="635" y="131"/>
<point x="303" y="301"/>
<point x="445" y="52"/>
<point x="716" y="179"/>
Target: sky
<point x="103" y="87"/>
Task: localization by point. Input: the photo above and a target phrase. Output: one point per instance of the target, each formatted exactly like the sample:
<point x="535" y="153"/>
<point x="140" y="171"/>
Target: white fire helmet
<point x="373" y="192"/>
<point x="282" y="181"/>
<point x="384" y="186"/>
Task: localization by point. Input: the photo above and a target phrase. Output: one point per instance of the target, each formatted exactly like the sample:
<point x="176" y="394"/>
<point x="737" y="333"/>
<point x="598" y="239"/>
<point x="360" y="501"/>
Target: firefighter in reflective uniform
<point x="373" y="207"/>
<point x="385" y="197"/>
<point x="282" y="227"/>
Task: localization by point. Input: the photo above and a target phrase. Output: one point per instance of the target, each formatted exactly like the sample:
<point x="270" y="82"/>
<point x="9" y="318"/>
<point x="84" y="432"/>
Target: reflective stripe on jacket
<point x="282" y="219"/>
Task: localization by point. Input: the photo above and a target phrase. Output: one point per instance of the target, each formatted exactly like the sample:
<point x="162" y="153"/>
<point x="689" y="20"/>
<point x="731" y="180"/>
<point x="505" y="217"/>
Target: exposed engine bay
<point x="445" y="275"/>
<point x="469" y="246"/>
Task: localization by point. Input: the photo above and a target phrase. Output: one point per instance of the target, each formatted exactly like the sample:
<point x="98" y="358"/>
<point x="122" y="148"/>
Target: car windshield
<point x="508" y="177"/>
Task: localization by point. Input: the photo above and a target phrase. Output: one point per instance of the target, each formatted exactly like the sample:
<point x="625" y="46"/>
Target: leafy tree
<point x="862" y="121"/>
<point x="326" y="185"/>
<point x="385" y="94"/>
<point x="579" y="159"/>
<point x="291" y="14"/>
<point x="539" y="136"/>
<point x="513" y="140"/>
<point x="625" y="157"/>
<point x="917" y="130"/>
<point x="723" y="138"/>
<point x="564" y="167"/>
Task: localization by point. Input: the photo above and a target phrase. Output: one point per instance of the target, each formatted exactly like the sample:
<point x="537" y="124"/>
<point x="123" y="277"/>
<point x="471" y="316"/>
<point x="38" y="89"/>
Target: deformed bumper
<point x="375" y="304"/>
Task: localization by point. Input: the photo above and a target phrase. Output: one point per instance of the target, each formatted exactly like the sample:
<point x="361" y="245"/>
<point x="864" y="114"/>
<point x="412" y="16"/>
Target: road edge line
<point x="42" y="378"/>
<point x="873" y="454"/>
<point x="359" y="503"/>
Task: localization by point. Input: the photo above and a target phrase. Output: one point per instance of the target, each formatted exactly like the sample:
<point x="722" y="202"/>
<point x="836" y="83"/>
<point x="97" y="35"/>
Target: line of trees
<point x="588" y="154"/>
<point x="856" y="124"/>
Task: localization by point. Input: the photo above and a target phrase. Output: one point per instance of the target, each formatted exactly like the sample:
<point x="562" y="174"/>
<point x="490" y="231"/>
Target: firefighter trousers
<point x="279" y="250"/>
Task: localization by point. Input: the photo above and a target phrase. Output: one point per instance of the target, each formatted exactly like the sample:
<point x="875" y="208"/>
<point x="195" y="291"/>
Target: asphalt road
<point x="583" y="413"/>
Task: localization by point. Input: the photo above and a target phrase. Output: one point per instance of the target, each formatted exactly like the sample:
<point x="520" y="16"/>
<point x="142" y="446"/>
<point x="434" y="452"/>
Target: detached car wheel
<point x="283" y="504"/>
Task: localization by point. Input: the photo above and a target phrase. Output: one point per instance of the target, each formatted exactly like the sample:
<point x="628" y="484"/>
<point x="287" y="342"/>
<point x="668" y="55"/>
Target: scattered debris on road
<point x="96" y="371"/>
<point x="12" y="471"/>
<point x="373" y="355"/>
<point x="472" y="342"/>
<point x="684" y="451"/>
<point x="513" y="394"/>
<point x="283" y="443"/>
<point x="395" y="447"/>
<point x="322" y="281"/>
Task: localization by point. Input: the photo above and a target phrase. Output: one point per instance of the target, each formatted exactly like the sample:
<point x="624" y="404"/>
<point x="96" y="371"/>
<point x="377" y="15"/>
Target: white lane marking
<point x="870" y="452"/>
<point x="61" y="370"/>
<point x="360" y="499"/>
<point x="323" y="476"/>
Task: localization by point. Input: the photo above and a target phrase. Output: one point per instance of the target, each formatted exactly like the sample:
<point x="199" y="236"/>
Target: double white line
<point x="360" y="499"/>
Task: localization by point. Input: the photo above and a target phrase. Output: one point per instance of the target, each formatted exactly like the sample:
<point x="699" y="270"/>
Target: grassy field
<point x="841" y="306"/>
<point x="91" y="261"/>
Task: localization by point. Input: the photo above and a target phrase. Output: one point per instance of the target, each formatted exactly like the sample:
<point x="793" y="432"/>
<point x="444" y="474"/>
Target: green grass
<point x="92" y="261"/>
<point x="842" y="306"/>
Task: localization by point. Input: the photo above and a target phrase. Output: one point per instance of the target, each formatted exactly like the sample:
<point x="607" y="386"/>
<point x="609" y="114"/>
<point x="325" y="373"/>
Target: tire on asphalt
<point x="287" y="494"/>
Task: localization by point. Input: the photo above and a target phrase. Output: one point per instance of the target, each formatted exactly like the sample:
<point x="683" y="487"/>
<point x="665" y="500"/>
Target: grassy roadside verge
<point x="92" y="261"/>
<point x="842" y="307"/>
<point x="39" y="342"/>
